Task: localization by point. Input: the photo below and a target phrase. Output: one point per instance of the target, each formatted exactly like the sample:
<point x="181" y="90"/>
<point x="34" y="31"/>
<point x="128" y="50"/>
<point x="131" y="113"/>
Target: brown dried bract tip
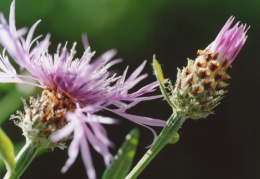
<point x="196" y="90"/>
<point x="179" y="84"/>
<point x="198" y="65"/>
<point x="207" y="85"/>
<point x="225" y="77"/>
<point x="187" y="71"/>
<point x="218" y="76"/>
<point x="213" y="66"/>
<point x="203" y="73"/>
<point x="200" y="52"/>
<point x="190" y="80"/>
<point x="208" y="57"/>
<point x="201" y="63"/>
<point x="224" y="63"/>
<point x="186" y="95"/>
<point x="215" y="57"/>
<point x="221" y="85"/>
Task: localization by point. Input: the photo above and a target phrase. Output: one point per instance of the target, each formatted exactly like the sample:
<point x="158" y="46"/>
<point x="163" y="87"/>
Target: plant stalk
<point x="173" y="124"/>
<point x="23" y="159"/>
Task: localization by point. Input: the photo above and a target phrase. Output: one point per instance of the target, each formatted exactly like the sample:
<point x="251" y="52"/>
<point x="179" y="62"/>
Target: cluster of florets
<point x="43" y="116"/>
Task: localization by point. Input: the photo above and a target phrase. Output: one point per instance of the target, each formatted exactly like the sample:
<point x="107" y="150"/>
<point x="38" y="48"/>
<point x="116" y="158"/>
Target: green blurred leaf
<point x="175" y="138"/>
<point x="159" y="75"/>
<point x="7" y="87"/>
<point x="8" y="104"/>
<point x="7" y="151"/>
<point x="124" y="158"/>
<point x="11" y="101"/>
<point x="17" y="147"/>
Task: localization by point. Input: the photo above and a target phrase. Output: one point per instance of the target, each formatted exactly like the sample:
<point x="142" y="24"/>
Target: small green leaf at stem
<point x="7" y="151"/>
<point x="124" y="157"/>
<point x="158" y="72"/>
<point x="159" y="75"/>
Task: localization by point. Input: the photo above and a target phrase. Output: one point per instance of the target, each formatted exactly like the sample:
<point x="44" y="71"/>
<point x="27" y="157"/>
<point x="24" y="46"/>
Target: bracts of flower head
<point x="200" y="86"/>
<point x="74" y="90"/>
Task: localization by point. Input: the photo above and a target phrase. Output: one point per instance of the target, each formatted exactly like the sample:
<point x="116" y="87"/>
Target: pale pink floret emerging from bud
<point x="229" y="41"/>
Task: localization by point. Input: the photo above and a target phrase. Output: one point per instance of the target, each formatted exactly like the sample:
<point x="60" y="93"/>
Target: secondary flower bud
<point x="200" y="85"/>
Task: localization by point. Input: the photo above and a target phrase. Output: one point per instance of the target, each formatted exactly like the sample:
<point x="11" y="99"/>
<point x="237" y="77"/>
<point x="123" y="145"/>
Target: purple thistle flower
<point x="82" y="86"/>
<point x="229" y="42"/>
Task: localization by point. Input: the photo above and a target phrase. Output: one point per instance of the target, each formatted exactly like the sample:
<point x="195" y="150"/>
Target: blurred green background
<point x="223" y="146"/>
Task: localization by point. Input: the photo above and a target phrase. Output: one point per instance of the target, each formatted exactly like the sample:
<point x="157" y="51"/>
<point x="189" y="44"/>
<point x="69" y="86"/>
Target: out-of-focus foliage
<point x="120" y="167"/>
<point x="7" y="151"/>
<point x="225" y="145"/>
<point x="17" y="147"/>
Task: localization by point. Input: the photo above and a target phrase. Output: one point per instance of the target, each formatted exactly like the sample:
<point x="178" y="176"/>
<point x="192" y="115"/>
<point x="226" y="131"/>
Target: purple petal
<point x="73" y="153"/>
<point x="140" y="119"/>
<point x="229" y="42"/>
<point x="87" y="160"/>
<point x="12" y="18"/>
<point x="63" y="133"/>
<point x="30" y="34"/>
<point x="85" y="41"/>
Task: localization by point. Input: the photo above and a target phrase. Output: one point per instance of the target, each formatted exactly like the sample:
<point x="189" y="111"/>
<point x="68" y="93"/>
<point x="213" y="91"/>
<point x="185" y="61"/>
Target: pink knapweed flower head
<point x="74" y="90"/>
<point x="200" y="85"/>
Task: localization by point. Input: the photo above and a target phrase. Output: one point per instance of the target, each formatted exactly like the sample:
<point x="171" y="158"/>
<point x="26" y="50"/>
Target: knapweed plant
<point x="75" y="90"/>
<point x="199" y="87"/>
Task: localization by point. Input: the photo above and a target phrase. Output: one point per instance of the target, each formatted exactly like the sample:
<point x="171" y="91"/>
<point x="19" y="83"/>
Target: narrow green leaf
<point x="124" y="157"/>
<point x="158" y="72"/>
<point x="17" y="147"/>
<point x="159" y="75"/>
<point x="7" y="151"/>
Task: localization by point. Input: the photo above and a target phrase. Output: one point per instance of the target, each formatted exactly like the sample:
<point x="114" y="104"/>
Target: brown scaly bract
<point x="200" y="86"/>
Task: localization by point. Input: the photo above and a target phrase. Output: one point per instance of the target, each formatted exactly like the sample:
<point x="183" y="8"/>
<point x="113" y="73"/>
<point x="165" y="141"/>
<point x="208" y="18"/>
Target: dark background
<point x="223" y="146"/>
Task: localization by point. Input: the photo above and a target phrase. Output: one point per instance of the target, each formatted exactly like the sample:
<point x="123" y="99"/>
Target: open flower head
<point x="74" y="90"/>
<point x="200" y="85"/>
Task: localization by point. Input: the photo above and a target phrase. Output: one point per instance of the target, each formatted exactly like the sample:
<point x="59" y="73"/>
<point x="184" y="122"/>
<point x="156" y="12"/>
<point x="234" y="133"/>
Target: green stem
<point x="172" y="126"/>
<point x="23" y="160"/>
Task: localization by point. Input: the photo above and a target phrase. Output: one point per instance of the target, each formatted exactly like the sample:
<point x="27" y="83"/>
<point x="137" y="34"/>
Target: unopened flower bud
<point x="201" y="84"/>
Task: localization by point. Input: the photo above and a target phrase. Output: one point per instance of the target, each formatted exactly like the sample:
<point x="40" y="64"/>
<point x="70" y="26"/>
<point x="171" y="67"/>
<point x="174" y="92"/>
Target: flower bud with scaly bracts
<point x="198" y="89"/>
<point x="201" y="85"/>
